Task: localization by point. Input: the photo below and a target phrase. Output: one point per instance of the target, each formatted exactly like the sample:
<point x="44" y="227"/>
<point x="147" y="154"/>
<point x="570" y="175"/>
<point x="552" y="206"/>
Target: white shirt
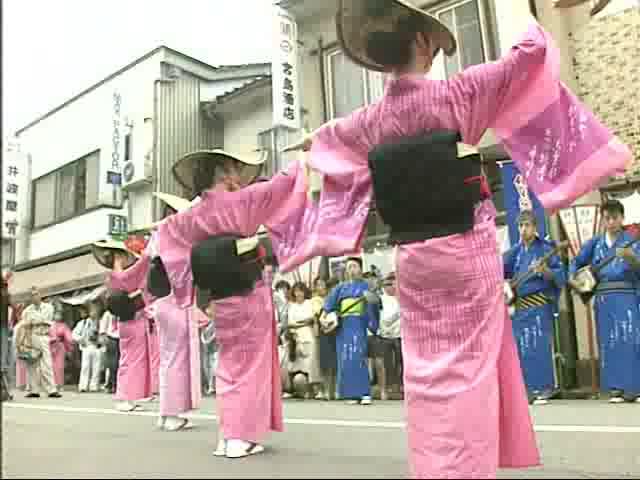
<point x="82" y="332"/>
<point x="109" y="325"/>
<point x="389" y="317"/>
<point x="298" y="312"/>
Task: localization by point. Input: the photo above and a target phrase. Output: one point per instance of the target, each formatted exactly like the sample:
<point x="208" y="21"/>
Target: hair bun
<point x="388" y="48"/>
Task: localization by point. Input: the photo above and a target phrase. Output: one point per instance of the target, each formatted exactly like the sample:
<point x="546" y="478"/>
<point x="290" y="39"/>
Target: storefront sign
<point x="115" y="153"/>
<point x="118" y="226"/>
<point x="284" y="75"/>
<point x="14" y="170"/>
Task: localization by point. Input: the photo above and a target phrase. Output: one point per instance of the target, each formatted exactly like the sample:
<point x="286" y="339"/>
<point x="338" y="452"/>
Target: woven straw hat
<point x="356" y="19"/>
<point x="188" y="166"/>
<point x="103" y="250"/>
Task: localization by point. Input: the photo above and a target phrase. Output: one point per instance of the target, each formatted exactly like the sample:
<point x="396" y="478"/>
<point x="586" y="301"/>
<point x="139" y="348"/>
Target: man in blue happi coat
<point x="616" y="303"/>
<point x="536" y="305"/>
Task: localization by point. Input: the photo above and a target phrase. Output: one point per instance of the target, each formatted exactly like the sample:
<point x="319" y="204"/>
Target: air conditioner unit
<point x="136" y="171"/>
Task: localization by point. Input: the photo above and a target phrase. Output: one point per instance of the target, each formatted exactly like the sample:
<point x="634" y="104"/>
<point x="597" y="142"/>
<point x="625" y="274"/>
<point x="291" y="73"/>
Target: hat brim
<point x="179" y="204"/>
<point x="183" y="170"/>
<point x="102" y="250"/>
<point x="354" y="24"/>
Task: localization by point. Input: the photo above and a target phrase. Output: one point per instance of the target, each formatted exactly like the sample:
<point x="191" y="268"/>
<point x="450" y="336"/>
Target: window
<point x="273" y="141"/>
<point x="127" y="147"/>
<point x="349" y="85"/>
<point x="66" y="192"/>
<point x="8" y="252"/>
<point x="463" y="19"/>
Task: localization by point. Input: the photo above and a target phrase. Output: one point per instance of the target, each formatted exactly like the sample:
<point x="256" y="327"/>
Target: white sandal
<point x="221" y="449"/>
<point x="185" y="425"/>
<point x="235" y="449"/>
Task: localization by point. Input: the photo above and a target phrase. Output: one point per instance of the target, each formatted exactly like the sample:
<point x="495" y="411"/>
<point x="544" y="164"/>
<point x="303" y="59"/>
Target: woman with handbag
<point x="32" y="345"/>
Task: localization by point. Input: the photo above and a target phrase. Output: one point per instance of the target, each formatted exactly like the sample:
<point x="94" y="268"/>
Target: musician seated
<point x="537" y="289"/>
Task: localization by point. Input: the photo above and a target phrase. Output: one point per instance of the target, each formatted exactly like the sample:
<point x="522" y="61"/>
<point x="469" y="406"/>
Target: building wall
<point x="86" y="124"/>
<point x="182" y="128"/>
<point x="241" y="130"/>
<point x="83" y="126"/>
<point x="78" y="231"/>
<point x="607" y="63"/>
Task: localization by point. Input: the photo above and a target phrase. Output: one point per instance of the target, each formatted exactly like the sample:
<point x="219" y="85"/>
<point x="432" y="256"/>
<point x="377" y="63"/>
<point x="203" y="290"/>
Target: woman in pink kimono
<point x="248" y="389"/>
<point x="466" y="404"/>
<point x="60" y="343"/>
<point x="178" y="336"/>
<point x="134" y="369"/>
<point x="21" y="367"/>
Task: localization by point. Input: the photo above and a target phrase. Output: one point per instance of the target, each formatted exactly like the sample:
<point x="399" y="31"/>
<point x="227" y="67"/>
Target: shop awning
<point x="57" y="278"/>
<point x="84" y="296"/>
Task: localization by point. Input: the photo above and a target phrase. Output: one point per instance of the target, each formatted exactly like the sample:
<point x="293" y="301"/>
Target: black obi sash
<point x="124" y="305"/>
<point x="423" y="189"/>
<point x="221" y="272"/>
<point x="158" y="283"/>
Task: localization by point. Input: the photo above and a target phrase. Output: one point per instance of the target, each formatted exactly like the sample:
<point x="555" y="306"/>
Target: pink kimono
<point x="134" y="369"/>
<point x="248" y="374"/>
<point x="179" y="372"/>
<point x="60" y="343"/>
<point x="21" y="374"/>
<point x="21" y="368"/>
<point x="467" y="411"/>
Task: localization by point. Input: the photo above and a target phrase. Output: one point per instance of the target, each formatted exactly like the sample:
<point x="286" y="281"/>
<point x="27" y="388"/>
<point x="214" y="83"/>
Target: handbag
<point x="28" y="354"/>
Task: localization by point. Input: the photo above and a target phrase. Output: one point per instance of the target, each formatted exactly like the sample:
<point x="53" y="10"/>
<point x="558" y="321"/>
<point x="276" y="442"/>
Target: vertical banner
<point x="14" y="184"/>
<point x="580" y="223"/>
<point x="517" y="198"/>
<point x="284" y="71"/>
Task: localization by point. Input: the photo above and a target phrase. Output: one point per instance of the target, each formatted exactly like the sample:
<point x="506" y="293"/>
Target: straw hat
<point x="179" y="204"/>
<point x="357" y="19"/>
<point x="185" y="169"/>
<point x="103" y="250"/>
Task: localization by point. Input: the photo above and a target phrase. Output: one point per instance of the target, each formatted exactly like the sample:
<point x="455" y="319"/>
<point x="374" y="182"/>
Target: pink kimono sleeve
<point x="334" y="225"/>
<point x="275" y="204"/>
<point x="133" y="278"/>
<point x="562" y="150"/>
<point x="240" y="212"/>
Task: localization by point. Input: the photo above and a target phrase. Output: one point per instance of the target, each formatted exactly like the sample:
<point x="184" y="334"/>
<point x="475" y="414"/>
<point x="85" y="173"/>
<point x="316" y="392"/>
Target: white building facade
<point x="94" y="162"/>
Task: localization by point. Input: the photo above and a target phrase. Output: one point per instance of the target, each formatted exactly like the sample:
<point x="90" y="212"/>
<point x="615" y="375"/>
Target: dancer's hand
<point x="307" y="138"/>
<point x="304" y="144"/>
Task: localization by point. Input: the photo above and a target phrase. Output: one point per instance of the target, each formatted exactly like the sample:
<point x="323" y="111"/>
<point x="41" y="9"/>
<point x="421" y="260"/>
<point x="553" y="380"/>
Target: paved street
<point x="81" y="436"/>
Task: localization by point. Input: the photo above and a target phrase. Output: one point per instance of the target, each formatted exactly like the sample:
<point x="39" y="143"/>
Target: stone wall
<point x="607" y="66"/>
